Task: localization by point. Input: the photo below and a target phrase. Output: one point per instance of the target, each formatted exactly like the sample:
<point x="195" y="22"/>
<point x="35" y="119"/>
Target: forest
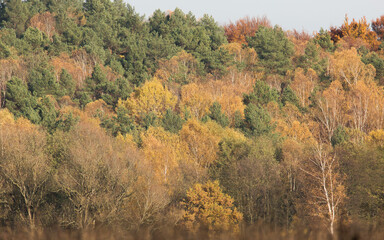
<point x="114" y="125"/>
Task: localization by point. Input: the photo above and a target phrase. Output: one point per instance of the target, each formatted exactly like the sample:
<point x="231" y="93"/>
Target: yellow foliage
<point x="164" y="152"/>
<point x="151" y="97"/>
<point x="224" y="133"/>
<point x="6" y="117"/>
<point x="201" y="143"/>
<point x="376" y="137"/>
<point x="346" y="66"/>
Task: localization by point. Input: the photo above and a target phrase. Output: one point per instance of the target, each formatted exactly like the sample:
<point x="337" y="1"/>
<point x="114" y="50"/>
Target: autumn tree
<point x="346" y="66"/>
<point x="378" y="27"/>
<point x="243" y="28"/>
<point x="97" y="178"/>
<point x="151" y="97"/>
<point x="303" y="84"/>
<point x="354" y="31"/>
<point x="24" y="166"/>
<point x="202" y="145"/>
<point x="326" y="191"/>
<point x="45" y="22"/>
<point x="331" y="106"/>
<point x="207" y="206"/>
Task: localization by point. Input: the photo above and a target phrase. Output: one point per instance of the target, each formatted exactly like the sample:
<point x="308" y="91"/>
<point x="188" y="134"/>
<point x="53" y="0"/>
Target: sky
<point x="308" y="15"/>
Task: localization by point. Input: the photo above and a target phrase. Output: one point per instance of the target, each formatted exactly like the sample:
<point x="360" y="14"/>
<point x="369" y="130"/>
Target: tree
<point x="172" y="122"/>
<point x="273" y="49"/>
<point x="202" y="145"/>
<point x="346" y="66"/>
<point x="20" y="101"/>
<point x="352" y="31"/>
<point x="303" y="85"/>
<point x="326" y="191"/>
<point x="206" y="206"/>
<point x="45" y="22"/>
<point x="261" y="95"/>
<point x="151" y="97"/>
<point x="331" y="106"/>
<point x="67" y="84"/>
<point x="378" y="27"/>
<point x="243" y="28"/>
<point x="24" y="166"/>
<point x="195" y="99"/>
<point x="217" y="115"/>
<point x="257" y="121"/>
<point x="97" y="179"/>
<point x="16" y="15"/>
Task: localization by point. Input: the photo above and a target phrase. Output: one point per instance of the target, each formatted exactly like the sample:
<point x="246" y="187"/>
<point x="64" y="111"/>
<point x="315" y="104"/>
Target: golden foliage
<point x="207" y="206"/>
<point x="201" y="143"/>
<point x="303" y="85"/>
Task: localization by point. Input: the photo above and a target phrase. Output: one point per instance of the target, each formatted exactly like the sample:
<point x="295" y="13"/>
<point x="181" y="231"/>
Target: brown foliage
<point x="378" y="27"/>
<point x="45" y="22"/>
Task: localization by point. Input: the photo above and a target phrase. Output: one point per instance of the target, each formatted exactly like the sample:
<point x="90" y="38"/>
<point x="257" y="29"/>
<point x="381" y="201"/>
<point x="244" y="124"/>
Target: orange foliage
<point x="300" y="40"/>
<point x="243" y="28"/>
<point x="79" y="66"/>
<point x="355" y="34"/>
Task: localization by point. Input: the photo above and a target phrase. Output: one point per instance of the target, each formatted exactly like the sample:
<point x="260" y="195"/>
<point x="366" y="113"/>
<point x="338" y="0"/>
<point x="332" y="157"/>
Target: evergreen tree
<point x="273" y="49"/>
<point x="172" y="122"/>
<point x="217" y="115"/>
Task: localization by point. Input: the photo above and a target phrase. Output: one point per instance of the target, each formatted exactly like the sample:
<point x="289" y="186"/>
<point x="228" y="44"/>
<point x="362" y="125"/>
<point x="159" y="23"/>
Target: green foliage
<point x="150" y="119"/>
<point x="323" y="39"/>
<point x="249" y="172"/>
<point x="257" y="121"/>
<point x="262" y="94"/>
<point x="363" y="167"/>
<point x="119" y="124"/>
<point x="273" y="49"/>
<point x="289" y="96"/>
<point x="35" y="37"/>
<point x="20" y="101"/>
<point x="216" y="114"/>
<point x="16" y="14"/>
<point x="200" y="38"/>
<point x="42" y="81"/>
<point x="67" y="85"/>
<point x="172" y="122"/>
<point x="340" y="136"/>
<point x="4" y="51"/>
<point x="378" y="62"/>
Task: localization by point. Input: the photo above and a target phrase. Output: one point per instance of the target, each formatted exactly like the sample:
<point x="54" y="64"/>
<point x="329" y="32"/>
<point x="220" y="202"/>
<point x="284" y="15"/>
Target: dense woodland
<point x="109" y="119"/>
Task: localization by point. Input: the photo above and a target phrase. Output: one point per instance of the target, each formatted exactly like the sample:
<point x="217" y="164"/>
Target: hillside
<point x="176" y="125"/>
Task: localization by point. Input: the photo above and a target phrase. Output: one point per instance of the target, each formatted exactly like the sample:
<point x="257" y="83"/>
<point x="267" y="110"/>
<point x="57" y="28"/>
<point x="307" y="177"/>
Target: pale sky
<point x="308" y="15"/>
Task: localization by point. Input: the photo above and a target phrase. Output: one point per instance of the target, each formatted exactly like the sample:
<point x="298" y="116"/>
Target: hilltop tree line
<point x="110" y="118"/>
